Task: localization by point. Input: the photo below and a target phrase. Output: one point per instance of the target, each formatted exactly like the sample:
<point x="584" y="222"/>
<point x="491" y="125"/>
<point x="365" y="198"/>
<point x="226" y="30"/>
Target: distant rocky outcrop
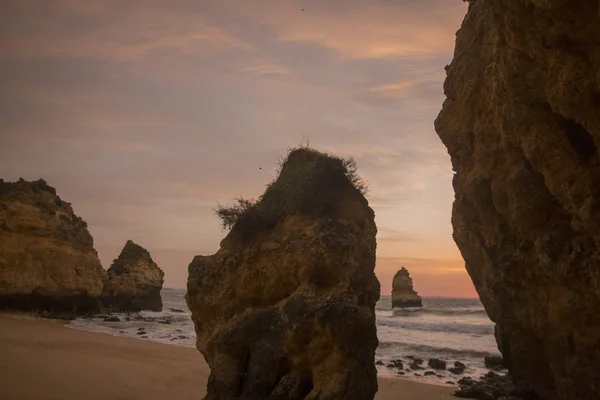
<point x="134" y="281"/>
<point x="403" y="294"/>
<point x="47" y="257"/>
<point x="285" y="308"/>
<point x="521" y="122"/>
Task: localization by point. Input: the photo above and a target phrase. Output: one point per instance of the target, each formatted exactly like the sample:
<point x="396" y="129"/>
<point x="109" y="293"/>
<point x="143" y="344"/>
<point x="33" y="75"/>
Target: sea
<point x="449" y="329"/>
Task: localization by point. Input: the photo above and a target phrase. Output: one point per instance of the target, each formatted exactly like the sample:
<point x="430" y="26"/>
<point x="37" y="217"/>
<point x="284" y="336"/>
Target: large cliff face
<point x="403" y="294"/>
<point x="522" y="123"/>
<point x="285" y="308"/>
<point x="134" y="281"/>
<point x="47" y="258"/>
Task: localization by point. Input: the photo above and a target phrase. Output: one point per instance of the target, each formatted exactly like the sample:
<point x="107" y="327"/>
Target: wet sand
<point x="44" y="360"/>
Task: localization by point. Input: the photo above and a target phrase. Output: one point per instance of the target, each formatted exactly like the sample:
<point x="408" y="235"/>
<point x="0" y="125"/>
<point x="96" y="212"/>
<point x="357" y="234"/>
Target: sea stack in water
<point x="522" y="124"/>
<point x="47" y="257"/>
<point x="285" y="308"/>
<point x="403" y="294"/>
<point x="134" y="281"/>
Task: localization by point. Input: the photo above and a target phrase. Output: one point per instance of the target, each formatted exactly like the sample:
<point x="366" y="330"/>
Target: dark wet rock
<point x="112" y="318"/>
<point x="379" y="362"/>
<point x="144" y="337"/>
<point x="436" y="363"/>
<point x="494" y="362"/>
<point x="176" y="310"/>
<point x="450" y="383"/>
<point x="390" y="365"/>
<point x="397" y="364"/>
<point x="141" y="333"/>
<point x="492" y="386"/>
<point x="182" y="337"/>
<point x="466" y="381"/>
<point x="429" y="373"/>
<point x="400" y="372"/>
<point x="490" y="375"/>
<point x="121" y="331"/>
<point x="458" y="368"/>
<point x="165" y="322"/>
<point x="127" y="319"/>
<point x="416" y="364"/>
<point x="141" y="329"/>
<point x="415" y="374"/>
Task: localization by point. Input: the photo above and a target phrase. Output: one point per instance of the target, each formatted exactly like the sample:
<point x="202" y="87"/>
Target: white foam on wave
<point x="448" y="329"/>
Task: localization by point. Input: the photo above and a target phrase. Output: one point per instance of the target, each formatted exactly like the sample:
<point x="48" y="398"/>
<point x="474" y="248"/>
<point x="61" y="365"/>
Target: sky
<point x="146" y="114"/>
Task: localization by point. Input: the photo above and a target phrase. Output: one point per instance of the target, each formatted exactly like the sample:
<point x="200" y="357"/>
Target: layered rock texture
<point x="134" y="281"/>
<point x="403" y="294"/>
<point x="47" y="257"/>
<point x="285" y="308"/>
<point x="522" y="123"/>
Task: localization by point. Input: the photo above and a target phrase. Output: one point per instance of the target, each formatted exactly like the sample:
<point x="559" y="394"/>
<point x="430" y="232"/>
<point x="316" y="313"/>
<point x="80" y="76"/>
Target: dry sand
<point x="43" y="360"/>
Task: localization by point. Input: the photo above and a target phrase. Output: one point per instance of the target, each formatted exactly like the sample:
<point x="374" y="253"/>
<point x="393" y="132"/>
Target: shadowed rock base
<point x="76" y="304"/>
<point x="148" y="298"/>
<point x="404" y="302"/>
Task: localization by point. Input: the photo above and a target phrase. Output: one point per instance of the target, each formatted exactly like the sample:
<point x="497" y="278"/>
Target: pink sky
<point x="146" y="115"/>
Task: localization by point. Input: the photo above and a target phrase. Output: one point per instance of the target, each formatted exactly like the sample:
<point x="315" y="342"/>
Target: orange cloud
<point x="363" y="30"/>
<point x="267" y="69"/>
<point x="431" y="276"/>
<point x="125" y="33"/>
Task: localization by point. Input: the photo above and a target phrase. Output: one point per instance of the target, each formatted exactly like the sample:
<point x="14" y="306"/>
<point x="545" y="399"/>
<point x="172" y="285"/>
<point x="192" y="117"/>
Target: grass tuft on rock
<point x="308" y="182"/>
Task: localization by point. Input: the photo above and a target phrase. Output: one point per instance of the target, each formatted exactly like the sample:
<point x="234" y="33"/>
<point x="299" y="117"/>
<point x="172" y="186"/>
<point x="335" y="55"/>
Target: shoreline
<point x="46" y="360"/>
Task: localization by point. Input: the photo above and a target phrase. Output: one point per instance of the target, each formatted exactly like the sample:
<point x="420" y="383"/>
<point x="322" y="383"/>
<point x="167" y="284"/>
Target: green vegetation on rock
<point x="308" y="182"/>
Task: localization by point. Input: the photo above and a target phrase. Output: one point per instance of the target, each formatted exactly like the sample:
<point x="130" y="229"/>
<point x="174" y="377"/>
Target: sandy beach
<point x="44" y="360"/>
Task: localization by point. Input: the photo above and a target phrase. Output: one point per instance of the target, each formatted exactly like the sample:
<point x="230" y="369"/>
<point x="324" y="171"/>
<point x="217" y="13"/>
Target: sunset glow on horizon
<point x="147" y="115"/>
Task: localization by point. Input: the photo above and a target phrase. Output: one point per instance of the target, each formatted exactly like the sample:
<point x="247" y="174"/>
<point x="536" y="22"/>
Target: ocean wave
<point x="437" y="326"/>
<point x="432" y="351"/>
<point x="413" y="311"/>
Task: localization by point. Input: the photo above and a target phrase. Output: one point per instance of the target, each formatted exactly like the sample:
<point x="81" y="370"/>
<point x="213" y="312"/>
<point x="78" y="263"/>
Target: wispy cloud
<point x="146" y="114"/>
<point x="386" y="234"/>
<point x="267" y="69"/>
<point x="103" y="32"/>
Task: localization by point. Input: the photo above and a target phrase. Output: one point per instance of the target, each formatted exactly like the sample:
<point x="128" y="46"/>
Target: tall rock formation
<point x="134" y="281"/>
<point x="285" y="308"/>
<point x="522" y="124"/>
<point x="403" y="294"/>
<point x="47" y="257"/>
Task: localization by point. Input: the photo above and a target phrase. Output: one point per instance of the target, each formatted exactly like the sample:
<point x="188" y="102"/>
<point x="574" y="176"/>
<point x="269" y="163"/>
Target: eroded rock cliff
<point x="134" y="281"/>
<point x="403" y="294"/>
<point x="285" y="308"/>
<point x="522" y="123"/>
<point x="47" y="258"/>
